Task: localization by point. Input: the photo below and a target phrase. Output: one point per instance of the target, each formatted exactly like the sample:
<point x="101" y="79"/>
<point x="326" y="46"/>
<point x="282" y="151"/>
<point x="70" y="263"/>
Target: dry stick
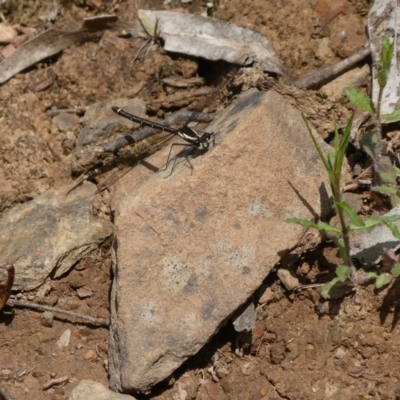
<point x="5" y="394"/>
<point x="325" y="74"/>
<point x="40" y="307"/>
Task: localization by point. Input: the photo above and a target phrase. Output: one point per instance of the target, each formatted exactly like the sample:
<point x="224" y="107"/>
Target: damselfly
<point x="191" y="136"/>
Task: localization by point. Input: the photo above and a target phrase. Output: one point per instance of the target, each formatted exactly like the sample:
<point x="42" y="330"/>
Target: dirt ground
<point x="302" y="347"/>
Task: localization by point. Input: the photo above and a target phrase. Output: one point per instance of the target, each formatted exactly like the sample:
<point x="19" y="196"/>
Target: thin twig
<point x="40" y="307"/>
<point x="5" y="394"/>
<point x="325" y="74"/>
<point x="309" y="286"/>
<point x="55" y="382"/>
<point x="54" y="112"/>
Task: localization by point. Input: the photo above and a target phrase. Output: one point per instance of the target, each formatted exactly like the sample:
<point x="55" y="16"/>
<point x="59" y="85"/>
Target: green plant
<point x="371" y="142"/>
<point x="346" y="275"/>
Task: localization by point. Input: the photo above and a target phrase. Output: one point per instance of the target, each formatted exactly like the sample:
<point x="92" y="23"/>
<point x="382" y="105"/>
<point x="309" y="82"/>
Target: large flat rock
<point x="50" y="234"/>
<point x="191" y="247"/>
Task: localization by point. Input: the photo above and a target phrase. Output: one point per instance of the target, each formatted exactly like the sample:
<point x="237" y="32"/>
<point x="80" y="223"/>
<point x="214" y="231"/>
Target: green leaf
<point x="385" y="61"/>
<point x="394" y="116"/>
<point x="354" y="218"/>
<point x="386" y="170"/>
<point x="386" y="52"/>
<point x="368" y="224"/>
<point x="339" y="242"/>
<point x="361" y="100"/>
<point x="323" y="226"/>
<point x="396" y="271"/>
<point x="316" y="145"/>
<point x="390" y="218"/>
<point x="373" y="275"/>
<point x="395" y="199"/>
<point x="369" y="142"/>
<point x="331" y="161"/>
<point x="382" y="280"/>
<point x="336" y="289"/>
<point x="345" y="139"/>
<point x="385" y="189"/>
<point x="391" y="225"/>
<point x="303" y="222"/>
<point x="343" y="272"/>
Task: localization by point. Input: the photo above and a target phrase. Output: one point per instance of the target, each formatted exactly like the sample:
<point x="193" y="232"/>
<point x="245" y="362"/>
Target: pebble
<point x="265" y="294"/>
<point x="47" y="319"/>
<point x="84" y="292"/>
<point x="89" y="354"/>
<point x="7" y="50"/>
<point x="65" y="122"/>
<point x="64" y="339"/>
<point x="340" y="353"/>
<point x="7" y="33"/>
<point x="288" y="278"/>
<point x="68" y="303"/>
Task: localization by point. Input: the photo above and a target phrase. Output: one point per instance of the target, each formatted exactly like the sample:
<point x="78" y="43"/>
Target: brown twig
<point x="325" y="74"/>
<point x="4" y="393"/>
<point x="40" y="307"/>
<point x="55" y="382"/>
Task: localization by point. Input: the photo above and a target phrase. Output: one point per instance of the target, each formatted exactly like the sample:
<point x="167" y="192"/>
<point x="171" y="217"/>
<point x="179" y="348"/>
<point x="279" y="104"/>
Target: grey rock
<point x="47" y="319"/>
<point x="192" y="246"/>
<point x="368" y="247"/>
<point x="246" y="320"/>
<point x="86" y="390"/>
<point x="50" y="234"/>
<point x="66" y="121"/>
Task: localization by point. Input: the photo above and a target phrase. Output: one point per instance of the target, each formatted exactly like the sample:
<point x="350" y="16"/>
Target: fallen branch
<point x="326" y="74"/>
<point x="40" y="307"/>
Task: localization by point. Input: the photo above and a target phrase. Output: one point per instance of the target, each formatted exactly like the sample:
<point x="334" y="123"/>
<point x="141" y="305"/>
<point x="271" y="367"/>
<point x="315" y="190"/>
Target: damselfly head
<point x="204" y="141"/>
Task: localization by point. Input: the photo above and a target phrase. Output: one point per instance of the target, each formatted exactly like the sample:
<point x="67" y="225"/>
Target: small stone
<point x="68" y="303"/>
<point x="288" y="278"/>
<point x="84" y="292"/>
<point x="222" y="372"/>
<point x="89" y="354"/>
<point x="6" y="51"/>
<point x="246" y="320"/>
<point x="323" y="51"/>
<point x="65" y="121"/>
<point x="64" y="339"/>
<point x="265" y="294"/>
<point x="46" y="319"/>
<point x="340" y="353"/>
<point x="7" y="33"/>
